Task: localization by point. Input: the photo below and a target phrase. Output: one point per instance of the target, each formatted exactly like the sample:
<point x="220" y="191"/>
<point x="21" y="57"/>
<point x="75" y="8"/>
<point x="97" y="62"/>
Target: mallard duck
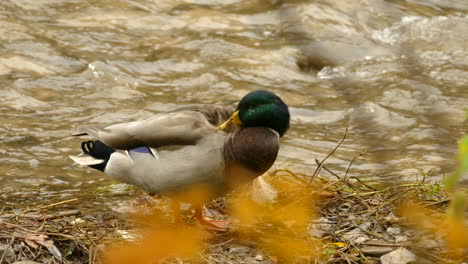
<point x="200" y="145"/>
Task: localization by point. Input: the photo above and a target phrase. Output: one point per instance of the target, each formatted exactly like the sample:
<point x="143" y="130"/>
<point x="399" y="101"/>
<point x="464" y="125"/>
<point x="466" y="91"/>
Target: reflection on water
<point x="394" y="72"/>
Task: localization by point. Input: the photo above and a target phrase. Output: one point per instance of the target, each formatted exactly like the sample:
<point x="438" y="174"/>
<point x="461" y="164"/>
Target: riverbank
<point x="344" y="220"/>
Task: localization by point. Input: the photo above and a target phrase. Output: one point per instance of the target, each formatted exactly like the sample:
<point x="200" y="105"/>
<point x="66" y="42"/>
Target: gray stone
<point x="365" y="226"/>
<point x="250" y="260"/>
<point x="361" y="239"/>
<point x="401" y="238"/>
<point x="393" y="231"/>
<point x="429" y="244"/>
<point x="410" y="233"/>
<point x="323" y="226"/>
<point x="351" y="217"/>
<point x="356" y="236"/>
<point x="399" y="256"/>
<point x="239" y="250"/>
<point x="375" y="251"/>
<point x="316" y="232"/>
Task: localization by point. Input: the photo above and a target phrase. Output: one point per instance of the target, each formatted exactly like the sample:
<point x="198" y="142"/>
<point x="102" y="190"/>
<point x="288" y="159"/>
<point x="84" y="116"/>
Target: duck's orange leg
<point x="215" y="225"/>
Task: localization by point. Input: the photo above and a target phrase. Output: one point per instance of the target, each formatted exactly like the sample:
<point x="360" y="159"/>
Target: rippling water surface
<point x="395" y="72"/>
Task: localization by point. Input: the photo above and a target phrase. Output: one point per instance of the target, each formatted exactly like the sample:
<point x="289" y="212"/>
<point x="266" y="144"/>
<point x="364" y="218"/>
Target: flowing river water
<point x="394" y="72"/>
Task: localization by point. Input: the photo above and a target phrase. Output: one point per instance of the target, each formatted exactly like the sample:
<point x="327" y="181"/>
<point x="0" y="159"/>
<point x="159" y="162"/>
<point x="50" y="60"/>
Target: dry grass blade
<point x="317" y="170"/>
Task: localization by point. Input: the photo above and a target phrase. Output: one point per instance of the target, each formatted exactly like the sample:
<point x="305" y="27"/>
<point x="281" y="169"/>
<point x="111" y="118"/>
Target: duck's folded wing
<point x="166" y="129"/>
<point x="216" y="115"/>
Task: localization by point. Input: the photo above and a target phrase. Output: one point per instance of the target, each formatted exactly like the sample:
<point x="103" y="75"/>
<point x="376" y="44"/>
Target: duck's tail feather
<point x="84" y="131"/>
<point x="95" y="154"/>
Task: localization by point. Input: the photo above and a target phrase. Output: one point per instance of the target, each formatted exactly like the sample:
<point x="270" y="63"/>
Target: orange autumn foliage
<point x="451" y="228"/>
<point x="157" y="244"/>
<point x="160" y="239"/>
<point x="280" y="228"/>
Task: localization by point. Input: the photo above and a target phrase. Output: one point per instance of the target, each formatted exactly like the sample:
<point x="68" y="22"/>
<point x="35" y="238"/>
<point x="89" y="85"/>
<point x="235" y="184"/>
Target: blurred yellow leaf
<point x="158" y="240"/>
<point x="288" y="249"/>
<point x="457" y="229"/>
<point x="196" y="194"/>
<point x="451" y="225"/>
<point x="338" y="244"/>
<point x="157" y="244"/>
<point x="282" y="227"/>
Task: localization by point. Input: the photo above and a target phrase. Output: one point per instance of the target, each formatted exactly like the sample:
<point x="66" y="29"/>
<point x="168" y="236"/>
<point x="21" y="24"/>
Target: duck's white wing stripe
<point x="85" y="160"/>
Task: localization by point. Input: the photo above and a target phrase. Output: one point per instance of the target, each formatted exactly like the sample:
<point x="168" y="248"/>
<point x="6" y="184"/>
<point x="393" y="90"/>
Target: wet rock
<point x="429" y="244"/>
<point x="251" y="260"/>
<point x="351" y="217"/>
<point x="365" y="226"/>
<point x="375" y="251"/>
<point x="256" y="260"/>
<point x="401" y="238"/>
<point x="316" y="232"/>
<point x="410" y="233"/>
<point x="356" y="236"/>
<point x="7" y="252"/>
<point x="399" y="256"/>
<point x="393" y="231"/>
<point x="323" y="227"/>
<point x="239" y="250"/>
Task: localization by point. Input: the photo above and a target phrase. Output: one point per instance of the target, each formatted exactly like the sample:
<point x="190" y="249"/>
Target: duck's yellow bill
<point x="234" y="119"/>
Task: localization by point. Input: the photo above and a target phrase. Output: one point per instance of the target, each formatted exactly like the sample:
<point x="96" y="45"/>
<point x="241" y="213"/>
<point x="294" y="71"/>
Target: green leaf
<point x="451" y="180"/>
<point x="456" y="209"/>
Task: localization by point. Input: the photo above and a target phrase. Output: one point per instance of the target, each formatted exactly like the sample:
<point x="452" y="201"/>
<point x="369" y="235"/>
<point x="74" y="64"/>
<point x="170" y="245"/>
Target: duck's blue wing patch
<point x="143" y="149"/>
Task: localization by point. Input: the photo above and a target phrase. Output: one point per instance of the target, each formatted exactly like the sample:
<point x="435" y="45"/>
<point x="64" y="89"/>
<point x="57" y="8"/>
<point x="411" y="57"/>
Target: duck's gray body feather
<point x="172" y="170"/>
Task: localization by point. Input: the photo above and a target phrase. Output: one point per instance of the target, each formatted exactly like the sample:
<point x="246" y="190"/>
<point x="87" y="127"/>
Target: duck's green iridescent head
<point x="264" y="109"/>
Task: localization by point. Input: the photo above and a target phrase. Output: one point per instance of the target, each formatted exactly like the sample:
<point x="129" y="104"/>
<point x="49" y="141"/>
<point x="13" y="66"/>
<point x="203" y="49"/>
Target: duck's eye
<point x="252" y="105"/>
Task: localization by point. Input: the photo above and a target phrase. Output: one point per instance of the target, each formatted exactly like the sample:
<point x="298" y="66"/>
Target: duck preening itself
<point x="208" y="146"/>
